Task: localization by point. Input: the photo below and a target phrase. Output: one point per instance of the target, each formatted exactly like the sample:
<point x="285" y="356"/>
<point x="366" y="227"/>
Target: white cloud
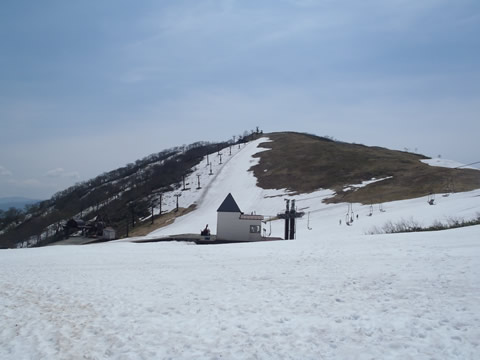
<point x="60" y="172"/>
<point x="57" y="172"/>
<point x="4" y="171"/>
<point x="71" y="174"/>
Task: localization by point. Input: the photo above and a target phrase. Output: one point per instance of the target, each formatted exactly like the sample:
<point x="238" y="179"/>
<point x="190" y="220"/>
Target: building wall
<point x="231" y="227"/>
<point x="109" y="234"/>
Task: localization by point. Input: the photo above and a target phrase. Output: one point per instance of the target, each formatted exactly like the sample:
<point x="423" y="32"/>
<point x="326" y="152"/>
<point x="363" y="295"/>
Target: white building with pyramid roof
<point x="233" y="225"/>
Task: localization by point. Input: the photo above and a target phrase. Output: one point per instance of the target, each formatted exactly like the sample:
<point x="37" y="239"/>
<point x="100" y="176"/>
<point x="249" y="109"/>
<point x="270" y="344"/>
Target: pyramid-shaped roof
<point x="229" y="205"/>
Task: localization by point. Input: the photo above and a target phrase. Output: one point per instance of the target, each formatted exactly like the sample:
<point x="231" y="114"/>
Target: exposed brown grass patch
<point x="303" y="163"/>
<point x="147" y="227"/>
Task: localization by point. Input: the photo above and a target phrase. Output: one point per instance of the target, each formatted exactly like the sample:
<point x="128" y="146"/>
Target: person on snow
<point x="206" y="231"/>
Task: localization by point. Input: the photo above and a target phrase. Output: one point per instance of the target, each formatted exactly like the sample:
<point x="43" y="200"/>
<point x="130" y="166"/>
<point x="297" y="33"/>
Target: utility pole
<point x="131" y="207"/>
<point x="160" y="201"/>
<point x="287" y="215"/>
<point x="152" y="211"/>
<point x="220" y="159"/>
<point x="177" y="196"/>
<point x="198" y="180"/>
<point x="208" y="163"/>
<point x="210" y="173"/>
<point x="230" y="150"/>
<point x="133" y="216"/>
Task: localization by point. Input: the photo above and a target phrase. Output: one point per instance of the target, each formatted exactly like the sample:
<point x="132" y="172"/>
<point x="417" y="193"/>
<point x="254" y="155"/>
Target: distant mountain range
<point x="15" y="202"/>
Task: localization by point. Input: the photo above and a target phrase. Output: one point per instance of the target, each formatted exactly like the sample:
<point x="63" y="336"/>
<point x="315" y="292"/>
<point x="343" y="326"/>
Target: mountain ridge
<point x="17" y="202"/>
<point x="127" y="197"/>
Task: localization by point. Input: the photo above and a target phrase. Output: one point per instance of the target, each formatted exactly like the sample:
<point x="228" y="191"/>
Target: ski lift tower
<point x="290" y="215"/>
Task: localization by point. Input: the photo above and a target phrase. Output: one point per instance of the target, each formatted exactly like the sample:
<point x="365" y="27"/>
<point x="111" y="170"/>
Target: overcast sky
<point x="89" y="86"/>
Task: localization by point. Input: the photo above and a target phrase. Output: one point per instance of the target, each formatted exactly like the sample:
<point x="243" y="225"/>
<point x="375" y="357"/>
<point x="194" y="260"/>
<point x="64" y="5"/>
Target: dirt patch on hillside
<point x="304" y="163"/>
<point x="159" y="222"/>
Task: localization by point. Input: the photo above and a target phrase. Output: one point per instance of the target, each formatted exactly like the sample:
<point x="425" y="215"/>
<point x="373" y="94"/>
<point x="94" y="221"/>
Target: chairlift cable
<point x="458" y="167"/>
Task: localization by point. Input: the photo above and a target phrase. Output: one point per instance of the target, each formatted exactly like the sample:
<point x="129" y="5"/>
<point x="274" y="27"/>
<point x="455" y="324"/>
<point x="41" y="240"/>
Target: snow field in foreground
<point x="386" y="296"/>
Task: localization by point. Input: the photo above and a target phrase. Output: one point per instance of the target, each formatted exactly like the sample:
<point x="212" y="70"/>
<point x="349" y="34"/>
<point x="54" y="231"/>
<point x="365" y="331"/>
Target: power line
<point x="310" y="198"/>
<point x="458" y="167"/>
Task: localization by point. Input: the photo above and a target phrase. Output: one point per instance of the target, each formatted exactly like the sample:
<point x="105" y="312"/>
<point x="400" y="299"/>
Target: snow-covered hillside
<point x="333" y="293"/>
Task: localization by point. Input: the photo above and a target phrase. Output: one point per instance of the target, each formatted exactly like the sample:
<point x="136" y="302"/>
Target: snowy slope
<point x="201" y="173"/>
<point x="446" y="163"/>
<point x="334" y="293"/>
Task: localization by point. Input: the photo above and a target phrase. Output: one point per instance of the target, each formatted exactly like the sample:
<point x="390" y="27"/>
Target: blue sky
<point x="88" y="86"/>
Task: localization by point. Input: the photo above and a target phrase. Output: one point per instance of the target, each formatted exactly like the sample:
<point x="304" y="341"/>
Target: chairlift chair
<point x="265" y="230"/>
<point x="350" y="212"/>
<point x="371" y="210"/>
